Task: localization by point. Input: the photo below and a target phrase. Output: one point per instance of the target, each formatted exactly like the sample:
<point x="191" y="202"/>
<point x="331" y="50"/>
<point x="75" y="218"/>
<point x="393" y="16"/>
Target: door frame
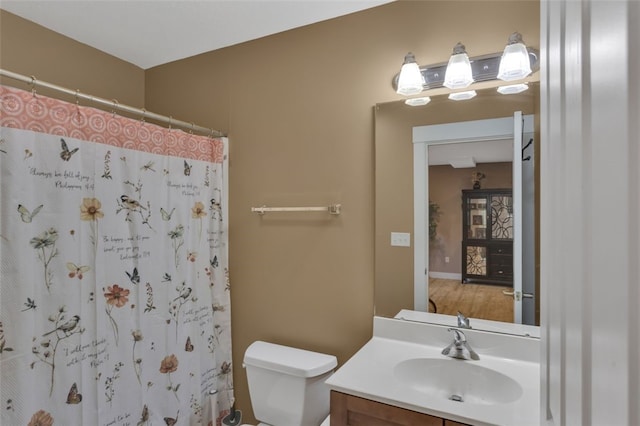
<point x="439" y="134"/>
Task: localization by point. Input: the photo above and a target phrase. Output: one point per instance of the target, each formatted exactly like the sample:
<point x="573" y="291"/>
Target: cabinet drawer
<point x="501" y="270"/>
<point x="500" y="249"/>
<point x="349" y="410"/>
<point x="501" y="260"/>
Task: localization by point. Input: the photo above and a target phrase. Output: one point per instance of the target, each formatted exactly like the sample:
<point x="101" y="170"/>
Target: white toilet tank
<point x="286" y="384"/>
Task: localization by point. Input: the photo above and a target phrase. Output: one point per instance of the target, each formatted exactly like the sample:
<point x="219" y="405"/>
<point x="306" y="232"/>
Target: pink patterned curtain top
<point x="23" y="110"/>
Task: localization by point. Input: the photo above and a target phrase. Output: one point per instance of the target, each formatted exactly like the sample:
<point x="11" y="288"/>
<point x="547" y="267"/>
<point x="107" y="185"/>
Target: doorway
<point x="515" y="129"/>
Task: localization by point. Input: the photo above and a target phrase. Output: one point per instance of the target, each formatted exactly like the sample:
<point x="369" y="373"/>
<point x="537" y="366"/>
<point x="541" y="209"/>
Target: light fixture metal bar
<point x="483" y="68"/>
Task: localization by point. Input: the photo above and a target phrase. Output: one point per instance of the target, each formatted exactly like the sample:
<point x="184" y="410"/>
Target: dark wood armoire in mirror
<point x="487" y="236"/>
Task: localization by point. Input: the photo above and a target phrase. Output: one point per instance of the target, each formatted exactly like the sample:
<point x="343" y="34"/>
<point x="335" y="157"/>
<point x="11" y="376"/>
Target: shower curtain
<point x="114" y="275"/>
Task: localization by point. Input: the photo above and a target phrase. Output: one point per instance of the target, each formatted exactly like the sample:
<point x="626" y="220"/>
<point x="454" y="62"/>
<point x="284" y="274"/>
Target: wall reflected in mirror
<point x="394" y="266"/>
<point x="471" y="229"/>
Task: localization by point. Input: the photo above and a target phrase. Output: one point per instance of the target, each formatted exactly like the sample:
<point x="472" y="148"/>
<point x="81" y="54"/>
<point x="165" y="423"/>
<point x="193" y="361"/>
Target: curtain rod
<point x="113" y="104"/>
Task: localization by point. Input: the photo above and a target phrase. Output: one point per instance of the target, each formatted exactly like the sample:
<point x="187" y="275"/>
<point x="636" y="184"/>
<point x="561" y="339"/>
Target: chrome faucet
<point x="460" y="348"/>
<point x="463" y="322"/>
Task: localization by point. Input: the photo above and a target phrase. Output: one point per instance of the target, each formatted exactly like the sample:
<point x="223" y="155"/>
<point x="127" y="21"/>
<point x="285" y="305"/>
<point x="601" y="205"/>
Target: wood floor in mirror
<point x="473" y="300"/>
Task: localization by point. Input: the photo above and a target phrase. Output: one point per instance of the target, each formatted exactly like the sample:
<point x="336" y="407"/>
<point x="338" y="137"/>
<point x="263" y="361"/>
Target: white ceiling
<point x="154" y="32"/>
<point x="493" y="151"/>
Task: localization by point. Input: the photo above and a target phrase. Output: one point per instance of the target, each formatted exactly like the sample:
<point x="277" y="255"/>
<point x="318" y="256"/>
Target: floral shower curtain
<point x="114" y="276"/>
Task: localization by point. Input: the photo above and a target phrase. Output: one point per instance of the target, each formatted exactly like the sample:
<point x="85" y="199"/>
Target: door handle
<point x="518" y="295"/>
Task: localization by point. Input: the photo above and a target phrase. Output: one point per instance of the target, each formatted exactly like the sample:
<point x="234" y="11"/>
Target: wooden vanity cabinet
<point x="349" y="410"/>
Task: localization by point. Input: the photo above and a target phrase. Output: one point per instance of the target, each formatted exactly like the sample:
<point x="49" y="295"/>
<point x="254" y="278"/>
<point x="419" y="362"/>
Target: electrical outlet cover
<point x="401" y="239"/>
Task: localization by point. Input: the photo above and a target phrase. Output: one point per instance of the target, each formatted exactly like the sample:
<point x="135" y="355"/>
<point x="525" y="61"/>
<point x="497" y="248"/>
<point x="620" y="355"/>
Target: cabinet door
<point x="348" y="410"/>
<point x="476" y="218"/>
<point x="501" y="217"/>
<point x="476" y="260"/>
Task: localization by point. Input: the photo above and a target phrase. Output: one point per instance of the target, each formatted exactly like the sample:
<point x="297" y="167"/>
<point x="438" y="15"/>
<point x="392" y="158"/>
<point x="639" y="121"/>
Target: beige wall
<point x="445" y="189"/>
<point x="32" y="50"/>
<point x="298" y="110"/>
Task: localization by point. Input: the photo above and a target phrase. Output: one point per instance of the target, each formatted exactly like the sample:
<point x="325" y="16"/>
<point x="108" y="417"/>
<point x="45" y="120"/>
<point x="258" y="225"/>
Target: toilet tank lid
<point x="288" y="360"/>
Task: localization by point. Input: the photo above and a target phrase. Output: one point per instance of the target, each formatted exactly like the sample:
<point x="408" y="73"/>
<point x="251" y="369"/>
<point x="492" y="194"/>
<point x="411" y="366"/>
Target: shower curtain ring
<point x="144" y="111"/>
<point x="115" y="106"/>
<point x="78" y="114"/>
<point x="33" y="86"/>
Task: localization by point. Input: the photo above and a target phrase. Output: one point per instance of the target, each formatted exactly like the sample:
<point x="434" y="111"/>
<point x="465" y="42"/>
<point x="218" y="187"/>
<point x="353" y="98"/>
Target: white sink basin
<point x="457" y="380"/>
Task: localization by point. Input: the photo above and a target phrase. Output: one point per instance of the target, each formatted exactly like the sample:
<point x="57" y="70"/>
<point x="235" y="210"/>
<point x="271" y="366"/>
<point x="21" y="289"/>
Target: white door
<point x="523" y="291"/>
<point x="517" y="218"/>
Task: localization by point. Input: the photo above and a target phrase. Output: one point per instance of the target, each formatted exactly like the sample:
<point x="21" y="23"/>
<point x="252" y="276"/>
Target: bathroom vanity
<point x="351" y="410"/>
<point x="400" y="377"/>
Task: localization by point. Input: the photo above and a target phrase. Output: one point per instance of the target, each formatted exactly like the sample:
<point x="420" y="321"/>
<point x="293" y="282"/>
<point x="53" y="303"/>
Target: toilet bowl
<point x="286" y="385"/>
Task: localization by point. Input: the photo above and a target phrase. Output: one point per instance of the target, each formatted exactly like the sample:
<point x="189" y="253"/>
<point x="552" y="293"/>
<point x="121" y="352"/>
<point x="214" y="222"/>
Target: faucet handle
<point x="458" y="335"/>
<point x="460" y="348"/>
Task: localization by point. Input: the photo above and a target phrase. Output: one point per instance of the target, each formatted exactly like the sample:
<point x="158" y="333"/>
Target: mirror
<point x="394" y="195"/>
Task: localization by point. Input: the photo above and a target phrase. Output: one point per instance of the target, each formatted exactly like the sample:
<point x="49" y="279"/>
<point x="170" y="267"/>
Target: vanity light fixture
<point x="483" y="68"/>
<point x="418" y="101"/>
<point x="514" y="64"/>
<point x="462" y="96"/>
<point x="410" y="81"/>
<point x="512" y="89"/>
<point x="458" y="74"/>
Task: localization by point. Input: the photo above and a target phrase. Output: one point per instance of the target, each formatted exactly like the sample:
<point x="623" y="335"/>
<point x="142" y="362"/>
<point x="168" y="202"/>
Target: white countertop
<point x="370" y="372"/>
<point x="476" y="323"/>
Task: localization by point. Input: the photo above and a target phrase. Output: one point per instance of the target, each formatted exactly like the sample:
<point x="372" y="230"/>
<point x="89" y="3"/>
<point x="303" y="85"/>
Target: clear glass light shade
<point x="515" y="63"/>
<point x="418" y="101"/>
<point x="410" y="80"/>
<point x="512" y="89"/>
<point x="462" y="96"/>
<point x="458" y="74"/>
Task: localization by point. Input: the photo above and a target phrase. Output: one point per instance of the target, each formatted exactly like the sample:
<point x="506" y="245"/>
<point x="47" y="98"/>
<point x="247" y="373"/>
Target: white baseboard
<point x="445" y="275"/>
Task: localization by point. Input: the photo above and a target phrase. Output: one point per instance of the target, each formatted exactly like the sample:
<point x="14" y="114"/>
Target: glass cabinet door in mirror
<point x="476" y="218"/>
<point x="476" y="263"/>
<point x="502" y="217"/>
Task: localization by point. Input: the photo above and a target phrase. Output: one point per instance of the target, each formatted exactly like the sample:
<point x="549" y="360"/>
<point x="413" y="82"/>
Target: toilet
<point x="286" y="384"/>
